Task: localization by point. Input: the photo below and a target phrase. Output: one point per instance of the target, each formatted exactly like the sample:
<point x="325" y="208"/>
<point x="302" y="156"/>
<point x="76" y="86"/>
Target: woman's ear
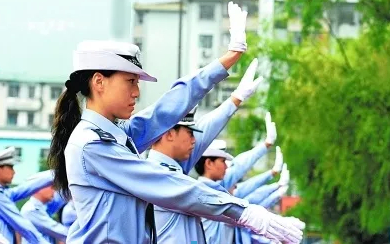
<point x="97" y="82"/>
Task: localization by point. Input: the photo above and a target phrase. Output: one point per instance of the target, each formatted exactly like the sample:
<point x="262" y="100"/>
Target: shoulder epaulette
<point x="104" y="136"/>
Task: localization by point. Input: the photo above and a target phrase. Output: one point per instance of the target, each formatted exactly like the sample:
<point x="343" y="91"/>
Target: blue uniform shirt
<point x="217" y="232"/>
<point x="68" y="214"/>
<point x="252" y="184"/>
<point x="169" y="223"/>
<point x="35" y="211"/>
<point x="111" y="185"/>
<point x="10" y="218"/>
<point x="55" y="204"/>
<point x="242" y="164"/>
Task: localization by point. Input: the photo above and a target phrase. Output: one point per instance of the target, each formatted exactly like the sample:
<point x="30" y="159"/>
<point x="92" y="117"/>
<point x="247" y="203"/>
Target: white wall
<point x="160" y="53"/>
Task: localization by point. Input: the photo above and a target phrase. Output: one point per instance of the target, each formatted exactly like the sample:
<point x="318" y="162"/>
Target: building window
<point x="44" y="153"/>
<point x="18" y="151"/>
<point x="346" y="14"/>
<point x="12" y="117"/>
<point x="252" y="8"/>
<point x="225" y="39"/>
<point x="140" y="17"/>
<point x="51" y="119"/>
<point x="55" y="92"/>
<point x="206" y="12"/>
<point x="296" y="37"/>
<point x="225" y="93"/>
<point x="30" y="118"/>
<point x="13" y="90"/>
<point x="31" y="91"/>
<point x="207" y="101"/>
<point x="205" y="41"/>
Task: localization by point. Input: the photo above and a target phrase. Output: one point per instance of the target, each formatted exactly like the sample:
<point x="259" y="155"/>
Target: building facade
<point x="36" y="48"/>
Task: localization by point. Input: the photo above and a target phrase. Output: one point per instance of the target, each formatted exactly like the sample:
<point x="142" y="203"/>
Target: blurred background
<point x="326" y="69"/>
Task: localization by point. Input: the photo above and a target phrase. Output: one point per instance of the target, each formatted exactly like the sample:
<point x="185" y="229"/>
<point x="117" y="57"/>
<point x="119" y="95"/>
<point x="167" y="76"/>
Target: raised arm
<point x="249" y="186"/>
<point x="212" y="123"/>
<point x="189" y="90"/>
<point x="123" y="171"/>
<point x="245" y="161"/>
<point x="11" y="215"/>
<point x="29" y="187"/>
<point x="242" y="164"/>
<point x="260" y="194"/>
<point x="45" y="224"/>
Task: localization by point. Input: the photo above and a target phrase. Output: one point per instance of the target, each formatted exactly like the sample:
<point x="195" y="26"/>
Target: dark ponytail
<point x="67" y="116"/>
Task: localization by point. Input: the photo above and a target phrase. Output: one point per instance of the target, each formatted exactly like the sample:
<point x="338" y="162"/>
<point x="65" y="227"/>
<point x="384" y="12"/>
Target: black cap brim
<point x="194" y="128"/>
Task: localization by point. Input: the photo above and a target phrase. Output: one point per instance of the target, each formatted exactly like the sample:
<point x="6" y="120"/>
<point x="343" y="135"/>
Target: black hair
<point x="67" y="115"/>
<point x="199" y="166"/>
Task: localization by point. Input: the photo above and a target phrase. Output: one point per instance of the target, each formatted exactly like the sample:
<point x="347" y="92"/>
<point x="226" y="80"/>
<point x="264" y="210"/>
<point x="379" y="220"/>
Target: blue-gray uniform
<point x="55" y="204"/>
<point x="68" y="216"/>
<point x="266" y="196"/>
<point x="10" y="218"/>
<point x="217" y="232"/>
<point x="36" y="211"/>
<point x="111" y="185"/>
<point x="170" y="223"/>
<point x="252" y="184"/>
<point x="242" y="164"/>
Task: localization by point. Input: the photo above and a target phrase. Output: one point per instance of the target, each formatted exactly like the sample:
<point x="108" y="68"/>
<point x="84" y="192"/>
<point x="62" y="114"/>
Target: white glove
<point x="271" y="129"/>
<point x="248" y="85"/>
<point x="237" y="19"/>
<point x="3" y="240"/>
<point x="284" y="176"/>
<point x="278" y="160"/>
<point x="282" y="190"/>
<point x="274" y="227"/>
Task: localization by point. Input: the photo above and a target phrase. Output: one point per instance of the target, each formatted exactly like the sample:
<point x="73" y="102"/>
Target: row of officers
<point x="118" y="196"/>
<point x="216" y="168"/>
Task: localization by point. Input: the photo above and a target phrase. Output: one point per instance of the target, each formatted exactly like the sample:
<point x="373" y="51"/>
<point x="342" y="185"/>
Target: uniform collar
<point x="205" y="179"/>
<point x="162" y="158"/>
<point x="105" y="124"/>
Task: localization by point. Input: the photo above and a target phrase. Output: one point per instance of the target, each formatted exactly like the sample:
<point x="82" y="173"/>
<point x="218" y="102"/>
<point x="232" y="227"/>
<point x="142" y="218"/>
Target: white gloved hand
<point x="248" y="85"/>
<point x="282" y="190"/>
<point x="274" y="227"/>
<point x="237" y="19"/>
<point x="3" y="240"/>
<point x="271" y="129"/>
<point x="278" y="160"/>
<point x="284" y="176"/>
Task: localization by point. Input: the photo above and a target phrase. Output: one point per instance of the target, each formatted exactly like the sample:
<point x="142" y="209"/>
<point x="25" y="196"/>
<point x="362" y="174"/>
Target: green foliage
<point x="43" y="165"/>
<point x="332" y="109"/>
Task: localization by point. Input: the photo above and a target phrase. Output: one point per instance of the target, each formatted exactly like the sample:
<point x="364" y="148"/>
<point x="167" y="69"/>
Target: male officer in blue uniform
<point x="10" y="219"/>
<point x="214" y="173"/>
<point x="182" y="146"/>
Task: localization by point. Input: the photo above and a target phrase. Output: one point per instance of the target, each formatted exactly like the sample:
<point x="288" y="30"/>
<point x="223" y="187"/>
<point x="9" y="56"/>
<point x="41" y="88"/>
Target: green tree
<point x="331" y="107"/>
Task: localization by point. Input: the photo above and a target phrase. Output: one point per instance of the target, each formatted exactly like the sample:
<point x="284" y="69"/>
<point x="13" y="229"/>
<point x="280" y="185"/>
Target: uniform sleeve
<point x="262" y="193"/>
<point x="242" y="164"/>
<point x="29" y="187"/>
<point x="11" y="215"/>
<point x="153" y="183"/>
<point x="45" y="224"/>
<point x="245" y="188"/>
<point x="55" y="204"/>
<point x="271" y="200"/>
<point x="211" y="124"/>
<point x="68" y="214"/>
<point x="148" y="125"/>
